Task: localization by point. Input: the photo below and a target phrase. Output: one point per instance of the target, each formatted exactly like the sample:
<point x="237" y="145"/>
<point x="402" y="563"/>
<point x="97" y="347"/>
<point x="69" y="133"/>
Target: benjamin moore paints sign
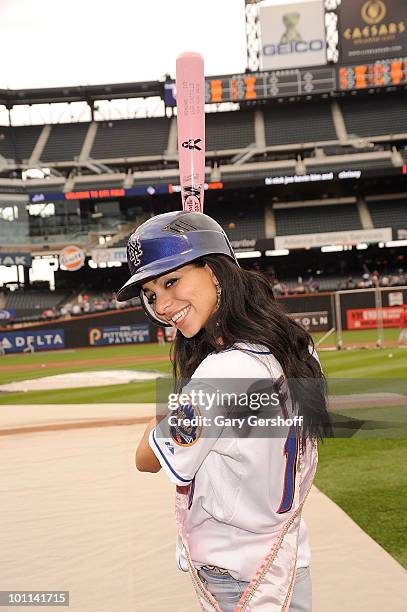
<point x="118" y="334"/>
<point x="17" y="342"/>
<point x="372" y="29"/>
<point x="292" y="35"/>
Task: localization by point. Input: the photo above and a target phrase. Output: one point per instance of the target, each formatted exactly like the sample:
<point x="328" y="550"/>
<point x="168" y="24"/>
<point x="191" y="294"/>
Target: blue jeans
<point x="227" y="590"/>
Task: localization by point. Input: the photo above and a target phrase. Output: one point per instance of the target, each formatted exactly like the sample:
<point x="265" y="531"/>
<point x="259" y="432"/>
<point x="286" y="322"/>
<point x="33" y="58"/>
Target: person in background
<point x="160" y="336"/>
<point x="403" y="326"/>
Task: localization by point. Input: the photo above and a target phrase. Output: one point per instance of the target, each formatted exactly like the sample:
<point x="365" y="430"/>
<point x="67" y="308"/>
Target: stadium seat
<point x="314" y="219"/>
<point x="372" y="115"/>
<point x="65" y="141"/>
<point x="131" y="137"/>
<point x="291" y="124"/>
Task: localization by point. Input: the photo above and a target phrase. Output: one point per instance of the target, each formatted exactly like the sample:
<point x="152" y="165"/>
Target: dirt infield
<point x="85" y="363"/>
<point x="9" y="431"/>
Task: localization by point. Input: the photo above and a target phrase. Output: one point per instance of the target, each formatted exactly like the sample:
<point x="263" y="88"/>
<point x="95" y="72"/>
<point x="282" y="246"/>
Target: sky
<point x="51" y="43"/>
<point x="46" y="43"/>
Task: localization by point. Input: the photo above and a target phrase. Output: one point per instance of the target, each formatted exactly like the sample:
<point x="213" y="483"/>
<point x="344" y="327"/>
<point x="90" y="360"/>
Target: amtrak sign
<point x="15" y="259"/>
<point x="292" y="35"/>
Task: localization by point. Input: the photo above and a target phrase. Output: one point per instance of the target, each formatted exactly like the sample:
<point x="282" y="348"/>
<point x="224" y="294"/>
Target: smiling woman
<point x="185" y="298"/>
<point x="239" y="497"/>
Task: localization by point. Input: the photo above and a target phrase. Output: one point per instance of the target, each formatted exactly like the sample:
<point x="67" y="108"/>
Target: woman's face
<point x="185" y="298"/>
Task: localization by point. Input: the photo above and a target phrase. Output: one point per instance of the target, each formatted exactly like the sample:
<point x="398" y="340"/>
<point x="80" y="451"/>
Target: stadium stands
<point x="6" y="144"/>
<point x="65" y="142"/>
<point x="31" y="303"/>
<point x="314" y="219"/>
<point x="239" y="223"/>
<point x="131" y="137"/>
<point x="291" y="124"/>
<point x="373" y="115"/>
<point x="389" y="213"/>
<point x="229" y="130"/>
<point x="17" y="143"/>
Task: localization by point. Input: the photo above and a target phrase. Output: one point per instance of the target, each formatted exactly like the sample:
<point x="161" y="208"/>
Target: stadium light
<point x="362" y="246"/>
<point x="277" y="252"/>
<point x="396" y="243"/>
<point x="332" y="248"/>
<point x="248" y="254"/>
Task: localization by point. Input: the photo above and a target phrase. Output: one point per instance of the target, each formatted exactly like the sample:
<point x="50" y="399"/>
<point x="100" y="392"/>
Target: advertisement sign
<point x="118" y="334"/>
<point x="303" y="241"/>
<point x="370" y="29"/>
<point x="15" y="259"/>
<point x="366" y="318"/>
<point x="32" y="341"/>
<point x="8" y="314"/>
<point x="71" y="258"/>
<point x="312" y="321"/>
<point x="292" y="35"/>
<point x="109" y="255"/>
<point x="395" y="298"/>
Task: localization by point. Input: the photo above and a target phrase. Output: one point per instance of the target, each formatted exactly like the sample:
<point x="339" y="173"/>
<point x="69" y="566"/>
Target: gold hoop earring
<point x="218" y="294"/>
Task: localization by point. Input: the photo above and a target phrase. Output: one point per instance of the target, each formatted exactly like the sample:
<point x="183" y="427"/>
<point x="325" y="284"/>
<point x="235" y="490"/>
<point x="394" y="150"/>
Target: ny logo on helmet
<point x="135" y="251"/>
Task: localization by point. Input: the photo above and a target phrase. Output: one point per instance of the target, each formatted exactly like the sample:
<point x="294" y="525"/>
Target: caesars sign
<point x="372" y="29"/>
<point x="292" y="35"/>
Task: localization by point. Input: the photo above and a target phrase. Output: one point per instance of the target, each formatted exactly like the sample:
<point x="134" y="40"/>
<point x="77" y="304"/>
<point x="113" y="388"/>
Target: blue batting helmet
<point x="167" y="242"/>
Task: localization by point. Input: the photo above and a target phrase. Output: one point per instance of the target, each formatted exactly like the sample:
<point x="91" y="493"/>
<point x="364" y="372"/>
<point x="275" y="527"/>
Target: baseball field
<point x="363" y="470"/>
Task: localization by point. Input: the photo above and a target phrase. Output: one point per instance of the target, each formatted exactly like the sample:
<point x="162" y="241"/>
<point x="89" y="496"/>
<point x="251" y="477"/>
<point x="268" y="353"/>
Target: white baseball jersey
<point x="240" y="487"/>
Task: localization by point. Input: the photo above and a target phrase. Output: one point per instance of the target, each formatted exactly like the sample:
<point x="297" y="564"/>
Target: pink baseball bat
<point x="190" y="86"/>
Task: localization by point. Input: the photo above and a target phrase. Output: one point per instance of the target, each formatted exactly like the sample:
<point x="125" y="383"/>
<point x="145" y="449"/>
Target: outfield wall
<point x="127" y="326"/>
<point x="315" y="311"/>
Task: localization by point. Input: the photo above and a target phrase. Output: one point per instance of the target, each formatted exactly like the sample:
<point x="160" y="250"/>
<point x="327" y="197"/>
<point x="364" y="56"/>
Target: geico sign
<point x="300" y="46"/>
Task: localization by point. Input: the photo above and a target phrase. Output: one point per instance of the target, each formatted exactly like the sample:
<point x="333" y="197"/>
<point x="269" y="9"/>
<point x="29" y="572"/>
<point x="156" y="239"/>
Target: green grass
<point x="390" y="334"/>
<point x="368" y="480"/>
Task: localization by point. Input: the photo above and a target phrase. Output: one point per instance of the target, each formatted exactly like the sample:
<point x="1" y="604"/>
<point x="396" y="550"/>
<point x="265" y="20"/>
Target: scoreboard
<point x="263" y="85"/>
<point x="383" y="73"/>
<point x="267" y="85"/>
<point x="273" y="84"/>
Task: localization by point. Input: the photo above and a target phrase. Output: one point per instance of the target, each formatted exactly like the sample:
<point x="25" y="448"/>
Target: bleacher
<point x="131" y="137"/>
<point x="389" y="213"/>
<point x="17" y="143"/>
<point x="65" y="142"/>
<point x="32" y="303"/>
<point x="229" y="130"/>
<point x="375" y="116"/>
<point x="314" y="219"/>
<point x="291" y="124"/>
<point x="239" y="223"/>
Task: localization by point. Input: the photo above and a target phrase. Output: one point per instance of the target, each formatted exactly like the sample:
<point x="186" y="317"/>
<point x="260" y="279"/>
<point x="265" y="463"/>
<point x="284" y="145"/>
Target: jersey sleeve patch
<point x="185" y="425"/>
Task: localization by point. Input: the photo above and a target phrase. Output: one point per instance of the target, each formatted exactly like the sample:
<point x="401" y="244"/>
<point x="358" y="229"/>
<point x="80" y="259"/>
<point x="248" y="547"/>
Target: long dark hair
<point x="249" y="313"/>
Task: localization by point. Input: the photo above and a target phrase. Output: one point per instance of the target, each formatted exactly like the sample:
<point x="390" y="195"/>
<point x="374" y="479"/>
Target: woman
<point x="240" y="489"/>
